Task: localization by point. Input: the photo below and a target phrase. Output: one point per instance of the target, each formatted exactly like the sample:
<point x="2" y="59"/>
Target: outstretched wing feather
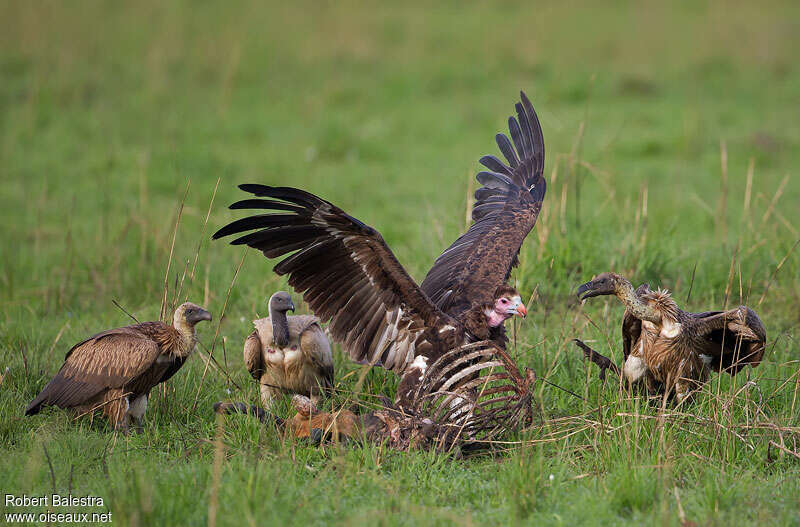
<point x="506" y="209"/>
<point x="345" y="272"/>
<point x="734" y="339"/>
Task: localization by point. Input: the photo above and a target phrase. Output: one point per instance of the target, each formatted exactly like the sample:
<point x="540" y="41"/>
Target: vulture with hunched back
<point x="288" y="353"/>
<point x="115" y="370"/>
<point x="668" y="351"/>
<point x="349" y="276"/>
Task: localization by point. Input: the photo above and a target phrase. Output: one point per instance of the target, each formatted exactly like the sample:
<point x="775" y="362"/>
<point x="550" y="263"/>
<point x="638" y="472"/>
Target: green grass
<point x="110" y="111"/>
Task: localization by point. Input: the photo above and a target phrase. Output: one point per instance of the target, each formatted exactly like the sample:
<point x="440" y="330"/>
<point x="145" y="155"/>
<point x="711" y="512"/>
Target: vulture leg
<point x="682" y="391"/>
<point x="603" y="362"/>
<point x="115" y="407"/>
<point x="639" y="382"/>
<point x="136" y="411"/>
<point x="268" y="395"/>
<point x="686" y="387"/>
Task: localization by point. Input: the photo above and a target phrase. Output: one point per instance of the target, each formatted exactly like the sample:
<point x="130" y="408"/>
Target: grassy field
<point x="672" y="140"/>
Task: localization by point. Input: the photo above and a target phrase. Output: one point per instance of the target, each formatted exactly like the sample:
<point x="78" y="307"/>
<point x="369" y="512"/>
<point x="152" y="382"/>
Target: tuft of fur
<point x="661" y="300"/>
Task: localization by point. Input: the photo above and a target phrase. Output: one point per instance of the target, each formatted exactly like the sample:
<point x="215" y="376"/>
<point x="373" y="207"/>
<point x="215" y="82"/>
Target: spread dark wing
<point x="505" y="211"/>
<point x="632" y="326"/>
<point x="107" y="360"/>
<point x="345" y="272"/>
<point x="734" y="339"/>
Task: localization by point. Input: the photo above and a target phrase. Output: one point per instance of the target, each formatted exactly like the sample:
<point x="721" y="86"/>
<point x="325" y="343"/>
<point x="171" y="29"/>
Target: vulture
<point x="288" y="354"/>
<point x="348" y="275"/>
<point x="115" y="370"/>
<point x="668" y="351"/>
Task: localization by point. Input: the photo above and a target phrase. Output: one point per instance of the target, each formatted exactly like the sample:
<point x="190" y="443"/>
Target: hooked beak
<point x="203" y="315"/>
<point x="291" y="307"/>
<point x="584" y="288"/>
<point x="519" y="309"/>
<point x="589" y="290"/>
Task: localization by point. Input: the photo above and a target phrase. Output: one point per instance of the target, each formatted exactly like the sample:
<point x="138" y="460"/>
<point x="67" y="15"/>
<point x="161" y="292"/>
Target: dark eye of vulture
<point x="671" y="351"/>
<point x="349" y="276"/>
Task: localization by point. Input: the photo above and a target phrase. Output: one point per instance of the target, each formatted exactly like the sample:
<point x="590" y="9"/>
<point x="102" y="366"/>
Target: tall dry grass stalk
<point x="691" y="283"/>
<point x="722" y="205"/>
<point x="774" y="201"/>
<point x="203" y="231"/>
<point x="131" y="316"/>
<point x="544" y="223"/>
<point x="470" y="201"/>
<point x="55" y="341"/>
<point x="163" y="313"/>
<point x="748" y="192"/>
<point x="216" y="332"/>
<point x="775" y="272"/>
<point x="574" y="172"/>
<point x="197" y="251"/>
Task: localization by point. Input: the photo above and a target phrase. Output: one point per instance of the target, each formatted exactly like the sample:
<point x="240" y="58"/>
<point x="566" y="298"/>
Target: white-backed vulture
<point x="115" y="370"/>
<point x="288" y="354"/>
<point x="671" y="351"/>
<point x="349" y="276"/>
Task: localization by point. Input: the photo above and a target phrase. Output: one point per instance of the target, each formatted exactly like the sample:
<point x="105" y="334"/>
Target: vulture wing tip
<point x="254" y="188"/>
<point x="244" y="204"/>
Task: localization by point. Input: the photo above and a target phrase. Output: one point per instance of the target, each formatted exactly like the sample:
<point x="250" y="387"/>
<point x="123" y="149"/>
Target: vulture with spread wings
<point x="349" y="276"/>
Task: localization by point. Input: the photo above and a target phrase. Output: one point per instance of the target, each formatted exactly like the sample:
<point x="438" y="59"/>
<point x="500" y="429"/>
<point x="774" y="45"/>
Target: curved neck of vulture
<point x="187" y="334"/>
<point x="280" y="327"/>
<point x="638" y="308"/>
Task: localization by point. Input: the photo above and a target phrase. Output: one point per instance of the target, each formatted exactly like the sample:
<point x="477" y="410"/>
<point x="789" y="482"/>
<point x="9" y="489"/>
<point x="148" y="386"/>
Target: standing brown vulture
<point x="349" y="276"/>
<point x="116" y="369"/>
<point x="288" y="354"/>
<point x="670" y="351"/>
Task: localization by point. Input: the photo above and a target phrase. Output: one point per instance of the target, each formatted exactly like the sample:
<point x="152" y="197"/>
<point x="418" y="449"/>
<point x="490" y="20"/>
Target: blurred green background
<point x="671" y="132"/>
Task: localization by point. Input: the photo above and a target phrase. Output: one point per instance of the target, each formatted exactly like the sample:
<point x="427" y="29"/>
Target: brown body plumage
<point x="349" y="276"/>
<point x="115" y="370"/>
<point x="670" y="351"/>
<point x="299" y="361"/>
